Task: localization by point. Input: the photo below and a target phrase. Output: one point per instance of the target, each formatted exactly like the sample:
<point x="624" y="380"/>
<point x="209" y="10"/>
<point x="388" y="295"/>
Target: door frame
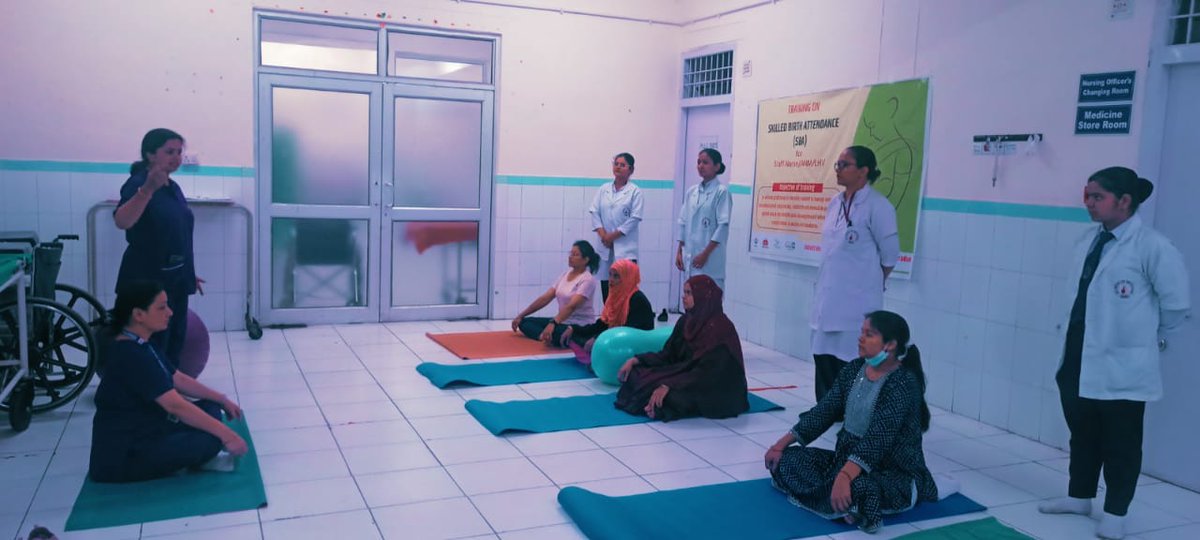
<point x="267" y="210"/>
<point x="683" y="164"/>
<point x="1163" y="58"/>
<point x="390" y="214"/>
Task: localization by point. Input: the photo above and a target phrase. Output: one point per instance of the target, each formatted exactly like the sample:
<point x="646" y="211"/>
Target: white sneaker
<point x="1111" y="527"/>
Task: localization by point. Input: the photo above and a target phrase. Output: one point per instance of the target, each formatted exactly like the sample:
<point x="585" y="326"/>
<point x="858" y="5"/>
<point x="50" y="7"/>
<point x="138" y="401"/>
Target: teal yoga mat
<point x="185" y="495"/>
<point x="560" y="414"/>
<point x="980" y="529"/>
<point x="752" y="510"/>
<point x="497" y="373"/>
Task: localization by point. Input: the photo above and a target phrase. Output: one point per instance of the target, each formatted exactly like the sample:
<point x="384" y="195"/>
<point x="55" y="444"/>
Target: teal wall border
<point x="985" y="208"/>
<point x="932" y="204"/>
<point x="577" y="181"/>
<point x="1076" y="214"/>
<point x="115" y="168"/>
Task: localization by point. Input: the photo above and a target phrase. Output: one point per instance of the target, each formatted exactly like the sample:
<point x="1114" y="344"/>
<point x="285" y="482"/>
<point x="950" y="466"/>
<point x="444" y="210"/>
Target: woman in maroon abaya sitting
<point x="699" y="372"/>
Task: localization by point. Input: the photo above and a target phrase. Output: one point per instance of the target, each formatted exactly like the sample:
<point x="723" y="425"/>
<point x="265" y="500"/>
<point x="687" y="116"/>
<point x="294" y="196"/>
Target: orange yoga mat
<point x="498" y="344"/>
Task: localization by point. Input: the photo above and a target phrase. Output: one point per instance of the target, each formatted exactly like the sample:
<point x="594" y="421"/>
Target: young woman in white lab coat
<point x="860" y="245"/>
<point x="1132" y="289"/>
<point x="704" y="222"/>
<point x="616" y="213"/>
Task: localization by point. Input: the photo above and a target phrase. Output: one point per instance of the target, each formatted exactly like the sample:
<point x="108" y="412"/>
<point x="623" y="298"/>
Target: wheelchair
<point x="62" y="321"/>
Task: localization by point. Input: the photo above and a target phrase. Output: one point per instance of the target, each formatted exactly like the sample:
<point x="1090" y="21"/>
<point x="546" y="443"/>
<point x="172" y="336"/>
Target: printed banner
<point x="800" y="138"/>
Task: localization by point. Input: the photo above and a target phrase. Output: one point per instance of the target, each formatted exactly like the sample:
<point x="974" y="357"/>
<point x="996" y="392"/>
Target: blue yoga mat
<point x="560" y="414"/>
<point x="190" y="494"/>
<point x="749" y="510"/>
<point x="497" y="373"/>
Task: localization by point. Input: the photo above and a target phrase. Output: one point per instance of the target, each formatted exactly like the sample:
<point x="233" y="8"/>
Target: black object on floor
<point x="662" y="317"/>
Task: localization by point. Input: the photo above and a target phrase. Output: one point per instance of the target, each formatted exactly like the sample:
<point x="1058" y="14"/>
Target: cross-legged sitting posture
<point x="625" y="306"/>
<point x="144" y="427"/>
<point x="878" y="466"/>
<point x="574" y="290"/>
<point x="699" y="371"/>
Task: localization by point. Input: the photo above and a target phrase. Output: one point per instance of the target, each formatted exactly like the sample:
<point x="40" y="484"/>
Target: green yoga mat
<point x="980" y="529"/>
<point x="497" y="373"/>
<point x="190" y="494"/>
<point x="751" y="510"/>
<point x="560" y="414"/>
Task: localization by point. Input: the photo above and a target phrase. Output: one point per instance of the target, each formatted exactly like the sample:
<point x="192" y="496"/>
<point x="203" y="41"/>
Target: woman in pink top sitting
<point x="574" y="291"/>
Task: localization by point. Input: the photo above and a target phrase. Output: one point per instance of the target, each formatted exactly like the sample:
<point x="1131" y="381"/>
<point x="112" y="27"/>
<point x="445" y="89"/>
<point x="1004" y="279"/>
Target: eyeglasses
<point x="842" y="164"/>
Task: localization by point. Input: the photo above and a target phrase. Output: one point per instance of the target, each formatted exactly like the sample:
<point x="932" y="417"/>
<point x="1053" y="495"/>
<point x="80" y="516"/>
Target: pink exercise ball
<point x="194" y="355"/>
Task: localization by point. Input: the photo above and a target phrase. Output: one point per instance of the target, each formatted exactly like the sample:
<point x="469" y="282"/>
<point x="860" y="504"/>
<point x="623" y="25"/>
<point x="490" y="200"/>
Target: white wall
<point x="84" y="81"/>
<point x="986" y="289"/>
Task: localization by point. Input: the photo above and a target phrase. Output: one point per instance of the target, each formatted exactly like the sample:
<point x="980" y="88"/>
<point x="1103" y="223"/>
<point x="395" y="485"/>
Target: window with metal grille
<point x="1185" y="23"/>
<point x="709" y="75"/>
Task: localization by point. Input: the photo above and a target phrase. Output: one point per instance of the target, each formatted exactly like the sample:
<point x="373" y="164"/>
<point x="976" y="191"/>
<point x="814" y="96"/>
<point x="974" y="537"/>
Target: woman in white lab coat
<point x="1132" y="289"/>
<point x="704" y="222"/>
<point x="860" y="245"/>
<point x="616" y="213"/>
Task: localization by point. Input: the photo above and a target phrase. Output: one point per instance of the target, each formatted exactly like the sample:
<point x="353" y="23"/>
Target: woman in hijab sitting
<point x="699" y="371"/>
<point x="626" y="306"/>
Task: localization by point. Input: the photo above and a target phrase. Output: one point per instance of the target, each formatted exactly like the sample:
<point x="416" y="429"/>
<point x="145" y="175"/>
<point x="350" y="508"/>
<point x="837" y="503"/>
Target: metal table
<point x="253" y="328"/>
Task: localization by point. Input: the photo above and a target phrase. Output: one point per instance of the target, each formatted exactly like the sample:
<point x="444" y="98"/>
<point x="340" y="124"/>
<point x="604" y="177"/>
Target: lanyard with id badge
<point x="137" y="339"/>
<point x="851" y="232"/>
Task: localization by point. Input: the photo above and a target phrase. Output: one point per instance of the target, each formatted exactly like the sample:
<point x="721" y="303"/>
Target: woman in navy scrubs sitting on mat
<point x="144" y="427"/>
<point x="158" y="227"/>
<point x="878" y="465"/>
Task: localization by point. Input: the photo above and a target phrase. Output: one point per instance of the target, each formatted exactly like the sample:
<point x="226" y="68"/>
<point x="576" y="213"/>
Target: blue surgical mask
<point x="874" y="361"/>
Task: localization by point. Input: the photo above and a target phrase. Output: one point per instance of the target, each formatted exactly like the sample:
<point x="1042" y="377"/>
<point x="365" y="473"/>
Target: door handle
<point x="388" y="184"/>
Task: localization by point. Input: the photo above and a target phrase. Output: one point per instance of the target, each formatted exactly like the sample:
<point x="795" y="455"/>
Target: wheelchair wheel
<point x="21" y="412"/>
<point x="83" y="303"/>
<point x="62" y="351"/>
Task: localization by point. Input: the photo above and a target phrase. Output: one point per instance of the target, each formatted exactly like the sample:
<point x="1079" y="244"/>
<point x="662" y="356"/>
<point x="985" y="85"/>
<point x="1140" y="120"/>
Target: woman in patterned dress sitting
<point x="878" y="466"/>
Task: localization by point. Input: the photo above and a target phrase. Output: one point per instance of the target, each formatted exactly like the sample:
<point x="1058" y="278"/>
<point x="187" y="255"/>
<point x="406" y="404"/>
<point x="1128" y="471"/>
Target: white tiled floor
<point x="355" y="444"/>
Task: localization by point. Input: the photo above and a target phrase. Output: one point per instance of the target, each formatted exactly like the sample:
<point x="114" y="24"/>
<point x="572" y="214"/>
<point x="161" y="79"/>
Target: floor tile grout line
<point x="329" y="427"/>
<point x="420" y="438"/>
<point x="989" y="439"/>
<point x="46" y="472"/>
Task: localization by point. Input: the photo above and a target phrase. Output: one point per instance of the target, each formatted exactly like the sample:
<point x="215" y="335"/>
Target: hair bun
<point x="1145" y="188"/>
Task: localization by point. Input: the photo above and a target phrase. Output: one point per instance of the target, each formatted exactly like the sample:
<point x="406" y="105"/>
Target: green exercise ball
<point x="616" y="345"/>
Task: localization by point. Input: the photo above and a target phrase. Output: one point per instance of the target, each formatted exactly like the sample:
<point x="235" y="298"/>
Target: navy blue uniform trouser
<point x="1106" y="434"/>
<point x="182" y="446"/>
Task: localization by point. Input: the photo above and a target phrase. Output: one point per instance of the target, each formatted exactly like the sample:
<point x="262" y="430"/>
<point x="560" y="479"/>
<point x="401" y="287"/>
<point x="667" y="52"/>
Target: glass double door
<point x="374" y="201"/>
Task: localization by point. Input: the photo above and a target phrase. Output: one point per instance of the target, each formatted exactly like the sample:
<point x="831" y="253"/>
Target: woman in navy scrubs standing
<point x="158" y="226"/>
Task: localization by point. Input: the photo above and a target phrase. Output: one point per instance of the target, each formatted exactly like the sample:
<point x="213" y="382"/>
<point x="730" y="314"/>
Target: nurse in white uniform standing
<point x="616" y="213"/>
<point x="859" y="245"/>
<point x="1133" y="290"/>
<point x="704" y="222"/>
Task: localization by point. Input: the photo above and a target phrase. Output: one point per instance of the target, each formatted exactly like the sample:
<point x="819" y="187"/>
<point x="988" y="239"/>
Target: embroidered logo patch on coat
<point x="1123" y="288"/>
